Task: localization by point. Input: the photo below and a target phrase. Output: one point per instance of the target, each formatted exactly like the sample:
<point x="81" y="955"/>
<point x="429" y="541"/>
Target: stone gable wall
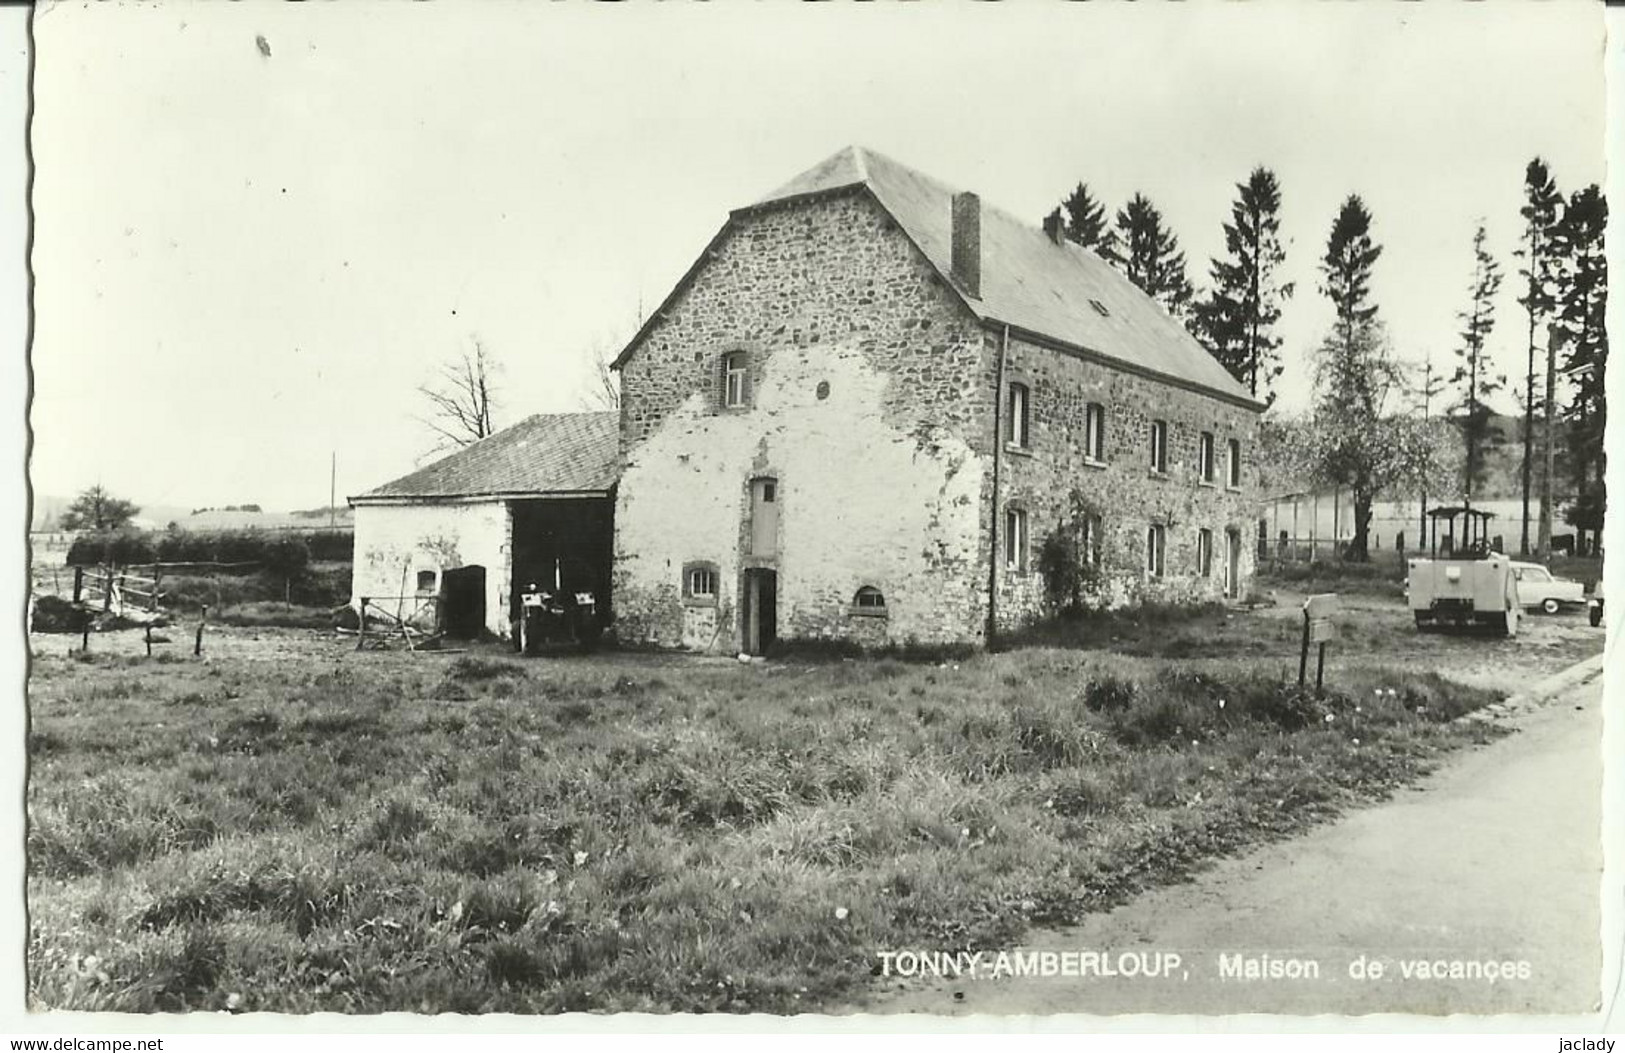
<point x="862" y="403"/>
<point x="870" y="399"/>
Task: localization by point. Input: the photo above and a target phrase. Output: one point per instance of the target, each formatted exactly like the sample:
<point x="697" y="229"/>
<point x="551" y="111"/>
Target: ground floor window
<point x="869" y="600"/>
<point x="1204" y="552"/>
<point x="1015" y="540"/>
<point x="700" y="582"/>
<point x="1156" y="543"/>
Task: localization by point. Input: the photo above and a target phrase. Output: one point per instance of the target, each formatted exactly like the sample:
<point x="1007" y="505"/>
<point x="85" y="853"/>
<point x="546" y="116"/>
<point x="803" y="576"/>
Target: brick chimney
<point x="967" y="244"/>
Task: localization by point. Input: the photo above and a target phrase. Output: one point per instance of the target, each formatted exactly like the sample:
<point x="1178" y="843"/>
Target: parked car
<point x="1537" y="587"/>
<point x="1594" y="608"/>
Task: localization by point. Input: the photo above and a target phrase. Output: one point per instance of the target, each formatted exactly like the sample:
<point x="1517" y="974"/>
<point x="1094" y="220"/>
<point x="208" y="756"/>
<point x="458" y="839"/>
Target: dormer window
<point x="734" y="380"/>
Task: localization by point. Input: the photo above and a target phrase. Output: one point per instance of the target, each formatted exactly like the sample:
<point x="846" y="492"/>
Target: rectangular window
<point x="1155" y="545"/>
<point x="1205" y="458"/>
<point x="1089" y="543"/>
<point x="702" y="584"/>
<point x="1094" y="432"/>
<point x="1235" y="463"/>
<point x="1204" y="552"/>
<point x="425" y="581"/>
<point x="1015" y="540"/>
<point x="1016" y="433"/>
<point x="1159" y="446"/>
<point x="733" y="379"/>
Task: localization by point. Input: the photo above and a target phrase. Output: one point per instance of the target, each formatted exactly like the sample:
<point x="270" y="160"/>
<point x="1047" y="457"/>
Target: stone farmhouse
<point x="862" y="414"/>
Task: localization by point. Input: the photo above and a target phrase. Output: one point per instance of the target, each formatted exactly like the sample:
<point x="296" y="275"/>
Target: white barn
<point x="462" y="537"/>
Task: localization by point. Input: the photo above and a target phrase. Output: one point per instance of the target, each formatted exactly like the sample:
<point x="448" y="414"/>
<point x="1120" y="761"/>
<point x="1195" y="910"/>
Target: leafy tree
<point x="1148" y="253"/>
<point x="1540" y="211"/>
<point x="1477" y="381"/>
<point x="1581" y="306"/>
<point x="462" y="399"/>
<point x="96" y="509"/>
<point x="1351" y="439"/>
<point x="1237" y="320"/>
<point x="1354" y="373"/>
<point x="1083" y="220"/>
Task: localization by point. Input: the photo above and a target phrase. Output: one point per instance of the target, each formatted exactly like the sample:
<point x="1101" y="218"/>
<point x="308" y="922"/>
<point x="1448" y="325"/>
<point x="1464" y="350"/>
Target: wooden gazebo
<point x="1475" y="534"/>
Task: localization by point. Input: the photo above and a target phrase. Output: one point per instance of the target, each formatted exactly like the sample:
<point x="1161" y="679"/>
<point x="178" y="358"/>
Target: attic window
<point x="1100" y="308"/>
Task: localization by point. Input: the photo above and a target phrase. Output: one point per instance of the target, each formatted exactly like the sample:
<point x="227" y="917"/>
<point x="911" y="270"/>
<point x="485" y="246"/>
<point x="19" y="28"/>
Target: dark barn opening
<point x="462" y="602"/>
<point x="565" y="546"/>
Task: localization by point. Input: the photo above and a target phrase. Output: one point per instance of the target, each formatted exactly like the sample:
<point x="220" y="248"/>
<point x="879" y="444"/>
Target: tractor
<point x="1471" y="585"/>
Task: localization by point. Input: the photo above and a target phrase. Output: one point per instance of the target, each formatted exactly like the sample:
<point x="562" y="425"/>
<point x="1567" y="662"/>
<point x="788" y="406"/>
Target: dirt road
<point x="1494" y="859"/>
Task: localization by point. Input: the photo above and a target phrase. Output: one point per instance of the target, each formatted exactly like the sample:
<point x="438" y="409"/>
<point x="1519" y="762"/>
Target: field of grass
<point x="373" y="832"/>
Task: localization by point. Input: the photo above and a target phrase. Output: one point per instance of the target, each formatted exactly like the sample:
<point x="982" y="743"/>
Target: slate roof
<point x="550" y="453"/>
<point x="1028" y="281"/>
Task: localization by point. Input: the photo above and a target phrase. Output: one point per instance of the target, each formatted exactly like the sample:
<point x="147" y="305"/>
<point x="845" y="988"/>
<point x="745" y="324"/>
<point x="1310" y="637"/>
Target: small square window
<point x="426" y="580"/>
<point x="700" y="583"/>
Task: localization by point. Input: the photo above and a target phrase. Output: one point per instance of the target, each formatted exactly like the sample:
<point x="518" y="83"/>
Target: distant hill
<point x="1504" y="459"/>
<point x="48" y="510"/>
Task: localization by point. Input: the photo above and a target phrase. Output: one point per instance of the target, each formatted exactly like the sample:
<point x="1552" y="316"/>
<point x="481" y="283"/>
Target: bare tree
<point x="605" y="391"/>
<point x="462" y="398"/>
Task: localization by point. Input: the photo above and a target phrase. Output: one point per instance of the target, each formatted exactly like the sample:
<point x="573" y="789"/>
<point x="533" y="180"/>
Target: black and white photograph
<point x="916" y="513"/>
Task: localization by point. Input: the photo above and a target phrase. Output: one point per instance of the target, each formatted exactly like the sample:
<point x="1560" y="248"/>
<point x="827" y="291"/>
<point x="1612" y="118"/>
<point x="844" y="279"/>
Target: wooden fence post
<point x="361" y="634"/>
<point x="78" y="584"/>
<point x="197" y="645"/>
<point x="148" y="639"/>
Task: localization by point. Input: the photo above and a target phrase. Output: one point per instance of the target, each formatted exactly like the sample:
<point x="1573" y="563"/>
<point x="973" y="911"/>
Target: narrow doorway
<point x="760" y="610"/>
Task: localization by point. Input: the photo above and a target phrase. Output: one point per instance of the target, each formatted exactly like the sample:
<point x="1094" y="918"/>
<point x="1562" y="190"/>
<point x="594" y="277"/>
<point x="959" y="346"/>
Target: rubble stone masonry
<point x="869" y="398"/>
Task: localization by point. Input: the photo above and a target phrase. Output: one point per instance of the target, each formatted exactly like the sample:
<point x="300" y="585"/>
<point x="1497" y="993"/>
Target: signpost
<point x="1318" y="628"/>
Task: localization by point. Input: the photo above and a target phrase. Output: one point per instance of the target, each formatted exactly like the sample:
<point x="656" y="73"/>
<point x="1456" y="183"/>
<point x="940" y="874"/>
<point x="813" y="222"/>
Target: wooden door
<point x="764" y="518"/>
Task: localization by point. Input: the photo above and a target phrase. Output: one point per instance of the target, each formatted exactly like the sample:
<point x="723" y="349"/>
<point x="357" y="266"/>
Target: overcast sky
<point x="246" y="261"/>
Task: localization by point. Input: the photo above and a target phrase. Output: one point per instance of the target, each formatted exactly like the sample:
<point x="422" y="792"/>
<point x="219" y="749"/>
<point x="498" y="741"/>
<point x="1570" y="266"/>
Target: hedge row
<point x="280" y="552"/>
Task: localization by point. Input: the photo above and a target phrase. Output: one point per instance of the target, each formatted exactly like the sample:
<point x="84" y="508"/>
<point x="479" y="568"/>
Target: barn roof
<point x="550" y="453"/>
<point x="1052" y="291"/>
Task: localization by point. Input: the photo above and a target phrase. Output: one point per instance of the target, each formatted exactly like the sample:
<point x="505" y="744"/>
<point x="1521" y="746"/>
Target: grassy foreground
<point x="382" y="832"/>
